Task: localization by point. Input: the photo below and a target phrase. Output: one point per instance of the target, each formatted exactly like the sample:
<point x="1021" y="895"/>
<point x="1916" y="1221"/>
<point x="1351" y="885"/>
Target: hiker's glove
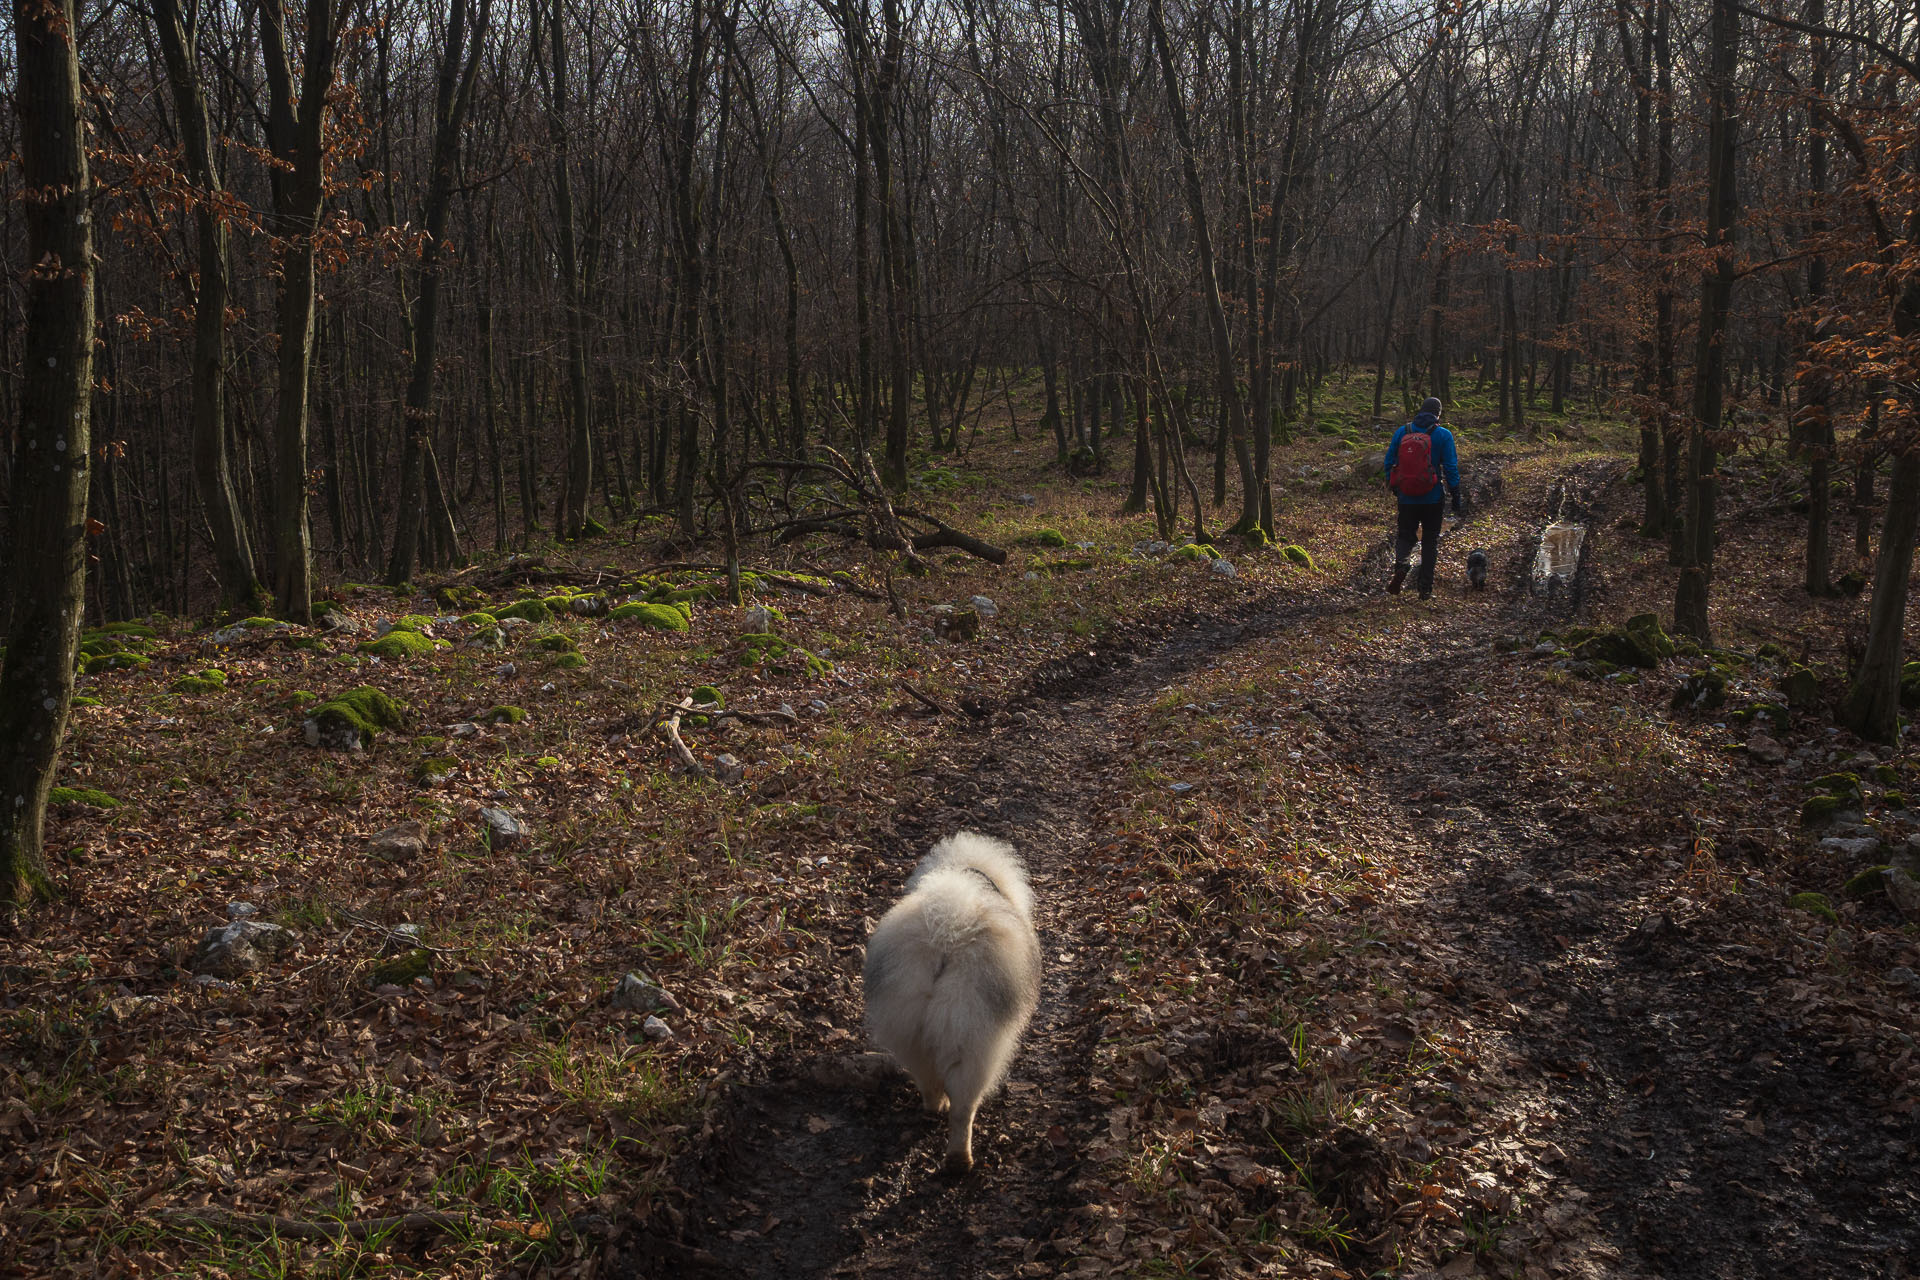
<point x="1456" y="502"/>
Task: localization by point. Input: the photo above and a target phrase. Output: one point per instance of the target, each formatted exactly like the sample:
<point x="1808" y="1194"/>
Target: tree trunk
<point x="459" y="60"/>
<point x="1871" y="707"/>
<point x="53" y="445"/>
<point x="296" y="137"/>
<point x="233" y="562"/>
<point x="1710" y="359"/>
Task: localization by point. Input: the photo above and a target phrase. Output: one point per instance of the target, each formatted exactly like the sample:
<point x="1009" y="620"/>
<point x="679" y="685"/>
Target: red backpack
<point x="1414" y="474"/>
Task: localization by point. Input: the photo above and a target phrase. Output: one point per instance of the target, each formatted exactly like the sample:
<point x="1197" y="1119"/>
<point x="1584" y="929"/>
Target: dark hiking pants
<point x="1423" y="517"/>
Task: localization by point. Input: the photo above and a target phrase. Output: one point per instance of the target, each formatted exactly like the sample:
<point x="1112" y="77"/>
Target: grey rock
<point x="402" y="843"/>
<point x="330" y="737"/>
<point x="1222" y="569"/>
<point x="511" y="625"/>
<point x="1903" y="976"/>
<point x="729" y="769"/>
<point x="207" y="982"/>
<point x="759" y="620"/>
<point x="1030" y="576"/>
<point x="241" y="910"/>
<point x="382" y="628"/>
<point x="638" y="995"/>
<point x="1024" y="499"/>
<point x="488" y="639"/>
<point x="818" y="705"/>
<point x="402" y="939"/>
<point x="240" y="947"/>
<point x="1903" y="891"/>
<point x="1766" y="749"/>
<point x="654" y="1029"/>
<point x="124" y="1009"/>
<point x="983" y="606"/>
<point x="1856" y="848"/>
<point x="465" y="729"/>
<point x="506" y="669"/>
<point x="503" y="830"/>
<point x="589" y="606"/>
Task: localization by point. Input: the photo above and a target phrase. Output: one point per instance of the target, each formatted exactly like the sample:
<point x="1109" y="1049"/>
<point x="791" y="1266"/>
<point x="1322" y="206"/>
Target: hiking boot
<point x="1399" y="578"/>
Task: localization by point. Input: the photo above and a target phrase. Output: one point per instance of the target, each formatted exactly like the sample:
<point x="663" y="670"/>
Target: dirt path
<point x="1699" y="1130"/>
<point x="1691" y="1128"/>
<point x="818" y="1172"/>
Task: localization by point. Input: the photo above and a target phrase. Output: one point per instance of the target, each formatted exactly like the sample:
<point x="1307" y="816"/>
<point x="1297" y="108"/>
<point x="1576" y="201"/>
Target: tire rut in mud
<point x="825" y="1166"/>
<point x="1706" y="1134"/>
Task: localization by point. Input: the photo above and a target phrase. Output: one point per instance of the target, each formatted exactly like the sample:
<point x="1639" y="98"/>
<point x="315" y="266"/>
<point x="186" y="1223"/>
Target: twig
<point x="672" y="725"/>
<point x="923" y="698"/>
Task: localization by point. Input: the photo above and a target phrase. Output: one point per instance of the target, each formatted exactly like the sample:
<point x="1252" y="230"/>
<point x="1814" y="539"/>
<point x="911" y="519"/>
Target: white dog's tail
<point x="984" y="856"/>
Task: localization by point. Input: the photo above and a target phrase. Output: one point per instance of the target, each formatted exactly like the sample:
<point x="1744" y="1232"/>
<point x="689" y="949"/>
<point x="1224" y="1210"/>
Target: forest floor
<point x="1381" y="936"/>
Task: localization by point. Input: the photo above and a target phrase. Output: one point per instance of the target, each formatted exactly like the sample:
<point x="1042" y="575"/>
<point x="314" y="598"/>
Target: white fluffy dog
<point x="953" y="975"/>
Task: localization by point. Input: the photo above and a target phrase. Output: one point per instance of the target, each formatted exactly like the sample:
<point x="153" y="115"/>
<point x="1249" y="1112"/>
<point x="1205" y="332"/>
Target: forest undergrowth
<point x="1383" y="936"/>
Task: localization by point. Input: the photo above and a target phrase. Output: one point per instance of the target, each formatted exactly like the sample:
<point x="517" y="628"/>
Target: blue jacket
<point x="1444" y="457"/>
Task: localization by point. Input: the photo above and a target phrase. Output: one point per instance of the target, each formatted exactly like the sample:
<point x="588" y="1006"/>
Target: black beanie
<point x="1431" y="405"/>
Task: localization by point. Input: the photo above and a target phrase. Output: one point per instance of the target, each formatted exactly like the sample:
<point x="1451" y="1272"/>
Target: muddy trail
<point x="1697" y="1129"/>
<point x="828" y="1167"/>
<point x="1693" y="1129"/>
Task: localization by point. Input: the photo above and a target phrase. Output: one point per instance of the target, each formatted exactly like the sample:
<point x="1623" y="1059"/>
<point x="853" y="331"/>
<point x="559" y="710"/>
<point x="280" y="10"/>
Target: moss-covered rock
<point x="1852" y="582"/>
<point x="1194" y="551"/>
<point x="1047" y="538"/>
<point x="1701" y="691"/>
<point x="1293" y="553"/>
<point x="569" y="661"/>
<point x="1256" y="537"/>
<point x="503" y="714"/>
<point x="707" y="696"/>
<point x="212" y="680"/>
<point x="1867" y="884"/>
<point x="531" y="610"/>
<point x="402" y="969"/>
<point x="397" y="645"/>
<point x="81" y="797"/>
<point x="1801" y="688"/>
<point x="99" y="662"/>
<point x="1816" y="809"/>
<point x="1640" y="642"/>
<point x="451" y="598"/>
<point x="661" y="617"/>
<point x="86" y="700"/>
<point x="1814" y="904"/>
<point x="1886" y="775"/>
<point x="353" y="719"/>
<point x="556" y="642"/>
<point x="432" y="770"/>
<point x="780" y="653"/>
<point x="416" y="622"/>
<point x="1843" y="784"/>
<point x="138" y="630"/>
<point x="1772" y="714"/>
<point x="479" y="618"/>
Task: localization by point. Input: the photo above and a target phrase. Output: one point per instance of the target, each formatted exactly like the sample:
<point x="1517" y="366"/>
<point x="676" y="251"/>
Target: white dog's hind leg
<point x="966" y="1086"/>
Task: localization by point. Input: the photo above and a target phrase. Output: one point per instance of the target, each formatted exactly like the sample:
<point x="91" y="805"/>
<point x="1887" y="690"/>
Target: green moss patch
<point x="82" y="796"/>
<point x="707" y="696"/>
<point x="1814" y="904"/>
<point x="779" y="653"/>
<point x="503" y="715"/>
<point x="1195" y="551"/>
<point x="1838" y="784"/>
<point x="661" y="617"/>
<point x="1820" y="808"/>
<point x="139" y="630"/>
<point x="402" y="969"/>
<point x="531" y="610"/>
<point x="397" y="644"/>
<point x="479" y="619"/>
<point x="1294" y="553"/>
<point x="212" y="680"/>
<point x="1047" y="538"/>
<point x="99" y="662"/>
<point x="365" y="711"/>
<point x="431" y="771"/>
<point x="570" y="661"/>
<point x="557" y="643"/>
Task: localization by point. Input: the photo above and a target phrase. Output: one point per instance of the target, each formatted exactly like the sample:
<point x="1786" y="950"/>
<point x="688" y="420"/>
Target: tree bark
<point x="1710" y="360"/>
<point x="459" y="60"/>
<point x="52" y="448"/>
<point x="296" y="137"/>
<point x="1871" y="707"/>
<point x="233" y="561"/>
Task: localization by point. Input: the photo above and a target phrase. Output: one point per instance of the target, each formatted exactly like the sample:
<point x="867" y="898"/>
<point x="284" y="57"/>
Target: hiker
<point x="1422" y="468"/>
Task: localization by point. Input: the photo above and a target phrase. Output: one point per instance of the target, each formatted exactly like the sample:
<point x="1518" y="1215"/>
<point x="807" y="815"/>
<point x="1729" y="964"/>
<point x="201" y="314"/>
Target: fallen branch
<point x="924" y="699"/>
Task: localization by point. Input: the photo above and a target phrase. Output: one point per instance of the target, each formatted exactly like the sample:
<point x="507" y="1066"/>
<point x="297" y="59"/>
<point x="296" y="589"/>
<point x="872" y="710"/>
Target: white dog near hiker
<point x="953" y="976"/>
